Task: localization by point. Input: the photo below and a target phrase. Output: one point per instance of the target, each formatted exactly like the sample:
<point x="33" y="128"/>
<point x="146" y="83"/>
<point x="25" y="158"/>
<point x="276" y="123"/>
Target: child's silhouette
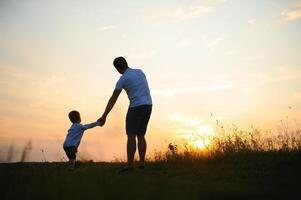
<point x="74" y="136"/>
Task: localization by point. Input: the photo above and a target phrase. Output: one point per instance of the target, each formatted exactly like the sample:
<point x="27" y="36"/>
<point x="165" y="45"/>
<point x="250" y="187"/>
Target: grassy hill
<point x="249" y="175"/>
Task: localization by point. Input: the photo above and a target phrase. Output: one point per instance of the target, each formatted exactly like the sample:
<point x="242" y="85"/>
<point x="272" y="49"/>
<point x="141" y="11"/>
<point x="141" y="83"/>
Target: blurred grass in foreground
<point x="231" y="164"/>
<point x="234" y="165"/>
<point x="252" y="175"/>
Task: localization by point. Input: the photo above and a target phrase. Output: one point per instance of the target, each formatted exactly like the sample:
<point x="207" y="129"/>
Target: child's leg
<point x="71" y="154"/>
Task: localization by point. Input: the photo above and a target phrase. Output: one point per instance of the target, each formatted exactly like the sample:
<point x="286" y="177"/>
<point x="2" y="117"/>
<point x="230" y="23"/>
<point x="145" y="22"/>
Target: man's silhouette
<point x="134" y="82"/>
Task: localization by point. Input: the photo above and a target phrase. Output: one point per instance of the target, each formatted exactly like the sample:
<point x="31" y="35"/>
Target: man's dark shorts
<point x="71" y="152"/>
<point x="137" y="119"/>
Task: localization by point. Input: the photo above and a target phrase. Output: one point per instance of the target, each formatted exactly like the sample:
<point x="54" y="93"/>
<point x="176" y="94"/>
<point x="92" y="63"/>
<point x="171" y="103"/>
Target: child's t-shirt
<point x="75" y="133"/>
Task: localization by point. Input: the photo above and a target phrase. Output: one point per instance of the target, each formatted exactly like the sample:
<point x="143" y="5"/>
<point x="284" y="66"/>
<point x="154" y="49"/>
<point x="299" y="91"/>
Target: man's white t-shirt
<point x="134" y="82"/>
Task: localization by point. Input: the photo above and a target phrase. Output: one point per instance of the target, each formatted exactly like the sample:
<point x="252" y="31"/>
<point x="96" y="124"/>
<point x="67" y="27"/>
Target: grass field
<point x="232" y="164"/>
<point x="249" y="175"/>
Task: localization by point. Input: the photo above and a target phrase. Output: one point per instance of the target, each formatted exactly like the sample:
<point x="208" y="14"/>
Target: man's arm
<point x="109" y="106"/>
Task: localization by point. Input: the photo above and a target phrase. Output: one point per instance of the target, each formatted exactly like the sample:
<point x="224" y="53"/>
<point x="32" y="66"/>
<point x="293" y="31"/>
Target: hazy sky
<point x="237" y="59"/>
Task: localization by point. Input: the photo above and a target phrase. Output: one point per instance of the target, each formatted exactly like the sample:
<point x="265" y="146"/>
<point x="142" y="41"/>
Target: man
<point x="134" y="82"/>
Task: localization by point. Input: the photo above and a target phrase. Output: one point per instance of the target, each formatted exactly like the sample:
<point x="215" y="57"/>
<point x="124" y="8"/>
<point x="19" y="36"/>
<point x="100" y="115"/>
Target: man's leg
<point x="71" y="163"/>
<point x="141" y="148"/>
<point x="131" y="149"/>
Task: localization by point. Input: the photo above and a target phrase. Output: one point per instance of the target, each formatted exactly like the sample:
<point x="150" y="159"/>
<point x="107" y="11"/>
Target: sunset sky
<point x="237" y="59"/>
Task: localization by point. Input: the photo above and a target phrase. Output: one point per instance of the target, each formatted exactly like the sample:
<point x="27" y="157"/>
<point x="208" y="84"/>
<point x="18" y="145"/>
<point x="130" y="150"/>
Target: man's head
<point x="120" y="64"/>
<point x="74" y="116"/>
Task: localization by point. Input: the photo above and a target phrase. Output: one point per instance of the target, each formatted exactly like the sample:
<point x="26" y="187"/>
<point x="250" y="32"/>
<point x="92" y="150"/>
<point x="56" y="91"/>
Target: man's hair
<point x="74" y="116"/>
<point x="120" y="63"/>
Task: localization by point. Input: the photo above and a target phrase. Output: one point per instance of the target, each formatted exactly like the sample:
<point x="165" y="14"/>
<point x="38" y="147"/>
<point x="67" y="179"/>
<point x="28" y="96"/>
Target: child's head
<point x="74" y="116"/>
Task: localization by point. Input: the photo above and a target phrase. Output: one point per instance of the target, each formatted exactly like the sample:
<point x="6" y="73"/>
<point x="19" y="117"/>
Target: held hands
<point x="102" y="121"/>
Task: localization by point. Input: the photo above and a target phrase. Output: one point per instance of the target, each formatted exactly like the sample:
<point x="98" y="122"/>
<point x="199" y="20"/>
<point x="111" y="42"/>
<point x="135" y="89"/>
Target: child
<point x="74" y="136"/>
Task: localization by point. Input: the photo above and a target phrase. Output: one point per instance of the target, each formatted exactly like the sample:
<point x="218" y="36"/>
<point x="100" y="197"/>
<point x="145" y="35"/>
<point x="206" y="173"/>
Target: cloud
<point x="187" y="11"/>
<point x="142" y="55"/>
<point x="296" y="96"/>
<point x="184" y="126"/>
<point x="185" y="120"/>
<point x="107" y="28"/>
<point x="212" y="42"/>
<point x="184" y="42"/>
<point x="284" y="77"/>
<point x="293" y="13"/>
<point x="191" y="12"/>
<point x="255" y="57"/>
<point x="252" y="22"/>
<point x="189" y="90"/>
<point x="15" y="74"/>
<point x="262" y="79"/>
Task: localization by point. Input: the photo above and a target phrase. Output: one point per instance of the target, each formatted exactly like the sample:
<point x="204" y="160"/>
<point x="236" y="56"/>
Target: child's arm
<point x="91" y="125"/>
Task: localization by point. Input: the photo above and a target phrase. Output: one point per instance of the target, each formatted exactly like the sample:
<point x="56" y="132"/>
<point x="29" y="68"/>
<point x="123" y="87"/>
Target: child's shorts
<point x="71" y="152"/>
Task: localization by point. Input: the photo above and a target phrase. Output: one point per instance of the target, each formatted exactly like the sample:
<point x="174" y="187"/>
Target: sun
<point x="198" y="144"/>
<point x="200" y="140"/>
<point x="201" y="144"/>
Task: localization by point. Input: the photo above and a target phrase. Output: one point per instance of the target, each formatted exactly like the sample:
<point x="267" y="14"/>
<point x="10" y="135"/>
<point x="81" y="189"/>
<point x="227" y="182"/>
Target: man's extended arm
<point x="109" y="106"/>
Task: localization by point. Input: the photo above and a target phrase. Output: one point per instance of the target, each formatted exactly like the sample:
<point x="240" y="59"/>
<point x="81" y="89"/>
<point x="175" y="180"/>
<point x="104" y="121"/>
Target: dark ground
<point x="245" y="176"/>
